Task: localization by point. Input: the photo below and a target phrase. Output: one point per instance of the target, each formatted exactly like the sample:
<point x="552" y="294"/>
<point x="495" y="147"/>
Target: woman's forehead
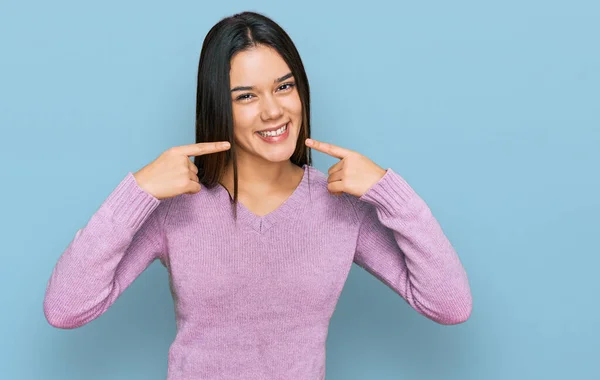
<point x="258" y="66"/>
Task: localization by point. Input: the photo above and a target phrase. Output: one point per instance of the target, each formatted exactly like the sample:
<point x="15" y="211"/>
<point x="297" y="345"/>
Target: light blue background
<point x="490" y="111"/>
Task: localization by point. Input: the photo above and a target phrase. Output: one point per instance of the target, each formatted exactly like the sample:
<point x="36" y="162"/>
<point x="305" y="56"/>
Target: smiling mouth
<point x="272" y="132"/>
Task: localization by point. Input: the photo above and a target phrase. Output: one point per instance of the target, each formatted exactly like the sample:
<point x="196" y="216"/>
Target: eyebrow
<point x="248" y="88"/>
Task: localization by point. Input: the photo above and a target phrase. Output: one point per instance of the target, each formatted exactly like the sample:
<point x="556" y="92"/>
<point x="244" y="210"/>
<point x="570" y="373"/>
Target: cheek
<point x="294" y="106"/>
<point x="243" y="119"/>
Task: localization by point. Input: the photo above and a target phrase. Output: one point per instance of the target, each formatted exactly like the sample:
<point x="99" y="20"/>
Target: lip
<point x="275" y="139"/>
<point x="274" y="128"/>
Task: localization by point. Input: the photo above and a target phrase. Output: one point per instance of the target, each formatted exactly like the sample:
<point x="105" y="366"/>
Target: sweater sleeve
<point x="120" y="240"/>
<point x="402" y="244"/>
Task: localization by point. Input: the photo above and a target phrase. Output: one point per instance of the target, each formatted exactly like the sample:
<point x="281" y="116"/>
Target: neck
<point x="261" y="177"/>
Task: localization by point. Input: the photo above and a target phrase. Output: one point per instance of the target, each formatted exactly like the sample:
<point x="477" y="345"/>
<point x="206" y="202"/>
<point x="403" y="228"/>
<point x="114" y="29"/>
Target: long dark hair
<point x="214" y="115"/>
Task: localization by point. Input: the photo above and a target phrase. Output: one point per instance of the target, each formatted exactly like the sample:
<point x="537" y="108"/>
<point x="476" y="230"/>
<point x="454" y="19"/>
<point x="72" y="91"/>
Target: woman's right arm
<point x="121" y="239"/>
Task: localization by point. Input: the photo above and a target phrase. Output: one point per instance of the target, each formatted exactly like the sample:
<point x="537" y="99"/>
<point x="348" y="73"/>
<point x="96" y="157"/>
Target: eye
<point x="244" y="97"/>
<point x="286" y="86"/>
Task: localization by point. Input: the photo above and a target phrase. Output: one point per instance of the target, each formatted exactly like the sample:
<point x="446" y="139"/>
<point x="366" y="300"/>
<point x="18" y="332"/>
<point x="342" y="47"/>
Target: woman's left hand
<point x="354" y="174"/>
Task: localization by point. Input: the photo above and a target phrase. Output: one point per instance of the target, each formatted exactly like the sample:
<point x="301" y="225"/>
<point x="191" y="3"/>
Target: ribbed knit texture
<point x="253" y="299"/>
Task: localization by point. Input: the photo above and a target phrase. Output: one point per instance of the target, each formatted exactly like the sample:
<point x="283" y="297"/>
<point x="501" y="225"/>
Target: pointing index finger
<point x="200" y="149"/>
<point x="329" y="149"/>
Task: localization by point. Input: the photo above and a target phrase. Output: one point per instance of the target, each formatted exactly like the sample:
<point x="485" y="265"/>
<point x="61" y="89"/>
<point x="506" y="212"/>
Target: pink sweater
<point x="253" y="300"/>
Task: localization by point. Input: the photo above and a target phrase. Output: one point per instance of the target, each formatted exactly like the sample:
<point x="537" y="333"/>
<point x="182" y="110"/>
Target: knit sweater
<point x="254" y="296"/>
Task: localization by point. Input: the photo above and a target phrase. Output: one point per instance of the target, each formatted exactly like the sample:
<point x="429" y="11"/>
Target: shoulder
<point x="208" y="203"/>
<point x="345" y="204"/>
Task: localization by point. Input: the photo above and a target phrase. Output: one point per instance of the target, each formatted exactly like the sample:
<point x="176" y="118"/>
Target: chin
<point x="277" y="152"/>
<point x="278" y="155"/>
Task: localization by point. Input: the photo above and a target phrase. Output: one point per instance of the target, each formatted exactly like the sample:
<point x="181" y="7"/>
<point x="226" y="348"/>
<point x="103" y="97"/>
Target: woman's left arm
<point x="399" y="240"/>
<point x="401" y="243"/>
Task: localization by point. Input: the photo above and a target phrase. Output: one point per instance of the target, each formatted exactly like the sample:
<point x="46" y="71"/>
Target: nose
<point x="271" y="109"/>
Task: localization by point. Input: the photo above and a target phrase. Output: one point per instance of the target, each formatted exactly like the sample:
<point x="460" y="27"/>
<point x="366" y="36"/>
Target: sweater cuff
<point x="129" y="204"/>
<point x="390" y="194"/>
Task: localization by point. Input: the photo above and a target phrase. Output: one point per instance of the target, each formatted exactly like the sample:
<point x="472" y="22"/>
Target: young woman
<point x="257" y="243"/>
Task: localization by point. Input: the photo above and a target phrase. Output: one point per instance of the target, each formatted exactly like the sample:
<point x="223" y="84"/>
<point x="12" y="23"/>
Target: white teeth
<point x="278" y="132"/>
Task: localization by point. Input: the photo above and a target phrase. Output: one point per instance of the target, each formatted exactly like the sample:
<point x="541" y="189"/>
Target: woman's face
<point x="267" y="111"/>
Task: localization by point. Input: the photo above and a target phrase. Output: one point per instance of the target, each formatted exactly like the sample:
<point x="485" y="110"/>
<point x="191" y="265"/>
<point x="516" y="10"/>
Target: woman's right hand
<point x="173" y="173"/>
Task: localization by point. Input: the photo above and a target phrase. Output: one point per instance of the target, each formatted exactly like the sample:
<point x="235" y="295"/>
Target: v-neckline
<point x="284" y="210"/>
